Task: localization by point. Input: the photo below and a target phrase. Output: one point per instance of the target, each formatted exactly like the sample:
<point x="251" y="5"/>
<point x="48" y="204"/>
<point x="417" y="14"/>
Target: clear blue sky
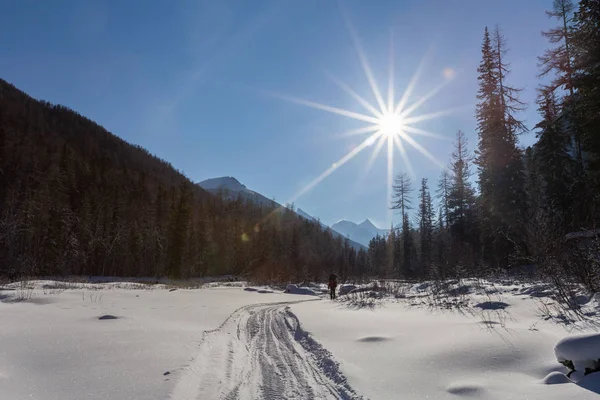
<point x="186" y="80"/>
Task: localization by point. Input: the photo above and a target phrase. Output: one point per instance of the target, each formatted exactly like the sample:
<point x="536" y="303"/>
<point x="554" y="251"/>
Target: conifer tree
<point x="461" y="199"/>
<point x="554" y="162"/>
<point x="499" y="160"/>
<point x="443" y="191"/>
<point x="586" y="79"/>
<point x="425" y="219"/>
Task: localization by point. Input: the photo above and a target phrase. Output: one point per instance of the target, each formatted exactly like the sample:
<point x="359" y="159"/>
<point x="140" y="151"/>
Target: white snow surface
<point x="398" y="351"/>
<point x="55" y="347"/>
<point x="583" y="350"/>
<point x="258" y="343"/>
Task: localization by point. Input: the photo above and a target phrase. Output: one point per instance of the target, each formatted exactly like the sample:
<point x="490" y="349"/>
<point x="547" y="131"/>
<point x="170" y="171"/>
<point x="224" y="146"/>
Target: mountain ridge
<point x="231" y="188"/>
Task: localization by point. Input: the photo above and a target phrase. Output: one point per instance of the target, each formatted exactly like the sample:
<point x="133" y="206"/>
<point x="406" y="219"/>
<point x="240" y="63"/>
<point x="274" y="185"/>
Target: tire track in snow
<point x="262" y="352"/>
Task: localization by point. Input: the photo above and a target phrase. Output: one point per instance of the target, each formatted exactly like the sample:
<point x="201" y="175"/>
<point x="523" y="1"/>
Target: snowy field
<point x="122" y="341"/>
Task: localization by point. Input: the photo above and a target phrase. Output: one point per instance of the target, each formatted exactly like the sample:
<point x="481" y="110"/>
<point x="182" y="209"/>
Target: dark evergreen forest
<point x="76" y="199"/>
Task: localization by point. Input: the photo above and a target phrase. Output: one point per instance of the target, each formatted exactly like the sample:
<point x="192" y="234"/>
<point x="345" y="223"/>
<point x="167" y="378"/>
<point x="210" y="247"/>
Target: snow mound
<point x="492" y="305"/>
<point x="294" y="289"/>
<point x="555" y="378"/>
<point x="465" y="389"/>
<point x="582" y="350"/>
<point x="345" y="289"/>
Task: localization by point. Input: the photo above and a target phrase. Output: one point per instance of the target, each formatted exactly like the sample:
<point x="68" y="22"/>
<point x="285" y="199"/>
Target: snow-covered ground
<point x="258" y="343"/>
<point x="54" y="346"/>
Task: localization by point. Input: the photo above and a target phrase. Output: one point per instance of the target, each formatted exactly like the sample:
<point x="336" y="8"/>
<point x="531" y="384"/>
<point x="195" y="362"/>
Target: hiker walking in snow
<point x="332" y="285"/>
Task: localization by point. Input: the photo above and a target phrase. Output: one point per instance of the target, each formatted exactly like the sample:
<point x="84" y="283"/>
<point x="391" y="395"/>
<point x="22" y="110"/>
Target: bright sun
<point x="390" y="125"/>
<point x="391" y="121"/>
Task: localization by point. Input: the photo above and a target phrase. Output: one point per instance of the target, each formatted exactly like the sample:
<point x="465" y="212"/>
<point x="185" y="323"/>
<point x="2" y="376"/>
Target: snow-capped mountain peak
<point x="225" y="182"/>
<point x="368" y="225"/>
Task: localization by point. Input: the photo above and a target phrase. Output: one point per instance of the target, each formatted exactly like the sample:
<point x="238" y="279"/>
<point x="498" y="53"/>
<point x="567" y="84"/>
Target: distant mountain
<point x="304" y="214"/>
<point x="361" y="233"/>
<point x="231" y="188"/>
<point x="369" y="226"/>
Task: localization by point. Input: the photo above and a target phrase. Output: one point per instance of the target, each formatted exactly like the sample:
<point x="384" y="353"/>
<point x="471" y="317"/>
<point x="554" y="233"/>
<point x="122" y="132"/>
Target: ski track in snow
<point x="261" y="352"/>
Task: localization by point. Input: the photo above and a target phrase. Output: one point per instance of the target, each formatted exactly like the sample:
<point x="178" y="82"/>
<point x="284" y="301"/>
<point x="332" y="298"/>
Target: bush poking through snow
<point x="24" y="291"/>
<point x="345" y="289"/>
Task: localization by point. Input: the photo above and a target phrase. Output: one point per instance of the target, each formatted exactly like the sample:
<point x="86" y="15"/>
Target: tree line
<point x="527" y="203"/>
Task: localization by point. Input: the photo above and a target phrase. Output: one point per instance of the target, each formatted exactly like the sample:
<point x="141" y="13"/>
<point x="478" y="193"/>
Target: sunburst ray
<point x="405" y="159"/>
<point x="360" y="131"/>
<point x="355" y="95"/>
<point x="325" y="107"/>
<point x="333" y="167"/>
<point x="422" y="150"/>
<point x="422" y="100"/>
<point x="422" y="132"/>
<point x="376" y="150"/>
<point x="411" y="84"/>
<point x="433" y="115"/>
<point x="364" y="62"/>
<point x="390" y="168"/>
<point x="390" y="106"/>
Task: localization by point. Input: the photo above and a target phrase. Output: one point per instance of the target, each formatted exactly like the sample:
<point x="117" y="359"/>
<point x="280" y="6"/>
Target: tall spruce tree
<point x="586" y="79"/>
<point x="461" y="199"/>
<point x="554" y="162"/>
<point x="559" y="59"/>
<point x="442" y="193"/>
<point x="499" y="161"/>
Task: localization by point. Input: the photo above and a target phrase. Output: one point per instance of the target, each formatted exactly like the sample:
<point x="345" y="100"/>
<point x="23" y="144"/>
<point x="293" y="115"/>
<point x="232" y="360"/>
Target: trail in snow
<point x="261" y="352"/>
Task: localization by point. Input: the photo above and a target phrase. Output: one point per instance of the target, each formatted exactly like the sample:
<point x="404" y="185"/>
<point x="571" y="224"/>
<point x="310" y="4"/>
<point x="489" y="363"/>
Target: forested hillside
<point x="76" y="199"/>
